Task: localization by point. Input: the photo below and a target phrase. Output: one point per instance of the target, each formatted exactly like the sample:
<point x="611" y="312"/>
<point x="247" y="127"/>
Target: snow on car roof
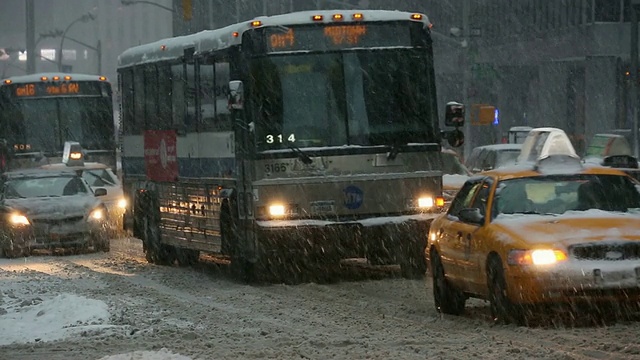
<point x="86" y="166"/>
<point x="207" y="40"/>
<point x="32" y="173"/>
<point x="529" y="170"/>
<point x="36" y="77"/>
<point x="508" y="147"/>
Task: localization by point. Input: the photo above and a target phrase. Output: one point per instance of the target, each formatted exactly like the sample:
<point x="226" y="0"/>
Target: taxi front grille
<point x="611" y="252"/>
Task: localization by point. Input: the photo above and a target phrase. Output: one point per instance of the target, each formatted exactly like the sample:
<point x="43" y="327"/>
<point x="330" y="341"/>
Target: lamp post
<point x="133" y="2"/>
<point x="84" y="18"/>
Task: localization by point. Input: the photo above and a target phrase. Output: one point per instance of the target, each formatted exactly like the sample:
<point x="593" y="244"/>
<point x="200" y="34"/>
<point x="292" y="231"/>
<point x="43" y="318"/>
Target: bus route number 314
<point x="274" y="139"/>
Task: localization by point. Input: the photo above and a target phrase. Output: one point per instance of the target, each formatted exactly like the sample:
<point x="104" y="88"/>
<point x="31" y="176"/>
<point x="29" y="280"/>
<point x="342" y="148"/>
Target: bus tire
<point x="156" y="252"/>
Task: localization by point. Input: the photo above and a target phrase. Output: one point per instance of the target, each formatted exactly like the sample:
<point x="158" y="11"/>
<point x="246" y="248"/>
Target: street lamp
<point x="133" y="2"/>
<point x="84" y="18"/>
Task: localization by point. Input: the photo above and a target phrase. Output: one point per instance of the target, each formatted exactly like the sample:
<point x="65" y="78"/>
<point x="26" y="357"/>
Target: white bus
<point x="288" y="142"/>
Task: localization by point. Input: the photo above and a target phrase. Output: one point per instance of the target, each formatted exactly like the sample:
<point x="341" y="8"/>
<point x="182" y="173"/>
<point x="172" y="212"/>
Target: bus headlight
<point x="18" y="220"/>
<point x="277" y="211"/>
<point x="426" y="202"/>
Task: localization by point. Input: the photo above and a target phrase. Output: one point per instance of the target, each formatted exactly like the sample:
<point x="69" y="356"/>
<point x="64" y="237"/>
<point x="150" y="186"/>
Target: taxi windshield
<point x="557" y="194"/>
<point x="21" y="188"/>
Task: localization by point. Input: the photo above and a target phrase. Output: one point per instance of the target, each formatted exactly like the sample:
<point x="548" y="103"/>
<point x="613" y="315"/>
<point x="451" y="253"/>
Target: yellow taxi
<point x="547" y="230"/>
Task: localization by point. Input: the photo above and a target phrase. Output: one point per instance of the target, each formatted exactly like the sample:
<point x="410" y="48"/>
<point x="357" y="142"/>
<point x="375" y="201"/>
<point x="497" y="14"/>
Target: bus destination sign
<point x="38" y="89"/>
<point x="334" y="37"/>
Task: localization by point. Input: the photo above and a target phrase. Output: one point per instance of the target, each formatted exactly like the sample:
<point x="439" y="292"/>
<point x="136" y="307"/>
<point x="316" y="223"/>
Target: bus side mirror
<point x="454" y="114"/>
<point x="455" y="138"/>
<point x="236" y="95"/>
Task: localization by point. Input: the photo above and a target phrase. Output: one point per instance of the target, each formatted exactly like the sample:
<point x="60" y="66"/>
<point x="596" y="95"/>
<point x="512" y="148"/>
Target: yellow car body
<point x="552" y="249"/>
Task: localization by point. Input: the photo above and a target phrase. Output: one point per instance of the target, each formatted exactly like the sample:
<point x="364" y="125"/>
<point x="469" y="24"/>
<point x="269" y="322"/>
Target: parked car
<point x="47" y="209"/>
<point x="490" y="157"/>
<point x="545" y="233"/>
<point x="612" y="150"/>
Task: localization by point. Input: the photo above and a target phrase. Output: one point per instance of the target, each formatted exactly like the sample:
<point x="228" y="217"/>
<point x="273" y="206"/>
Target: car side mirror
<point x="471" y="215"/>
<point x="454" y="114"/>
<point x="100" y="192"/>
<point x="236" y="95"/>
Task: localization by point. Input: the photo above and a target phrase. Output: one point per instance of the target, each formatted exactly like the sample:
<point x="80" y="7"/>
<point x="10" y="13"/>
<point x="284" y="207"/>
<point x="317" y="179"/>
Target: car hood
<point x="53" y="207"/>
<point x="567" y="229"/>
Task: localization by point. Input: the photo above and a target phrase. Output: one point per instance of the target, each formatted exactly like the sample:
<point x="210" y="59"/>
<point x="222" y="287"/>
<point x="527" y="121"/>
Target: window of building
<point x="47" y="54"/>
<point x="607" y="10"/>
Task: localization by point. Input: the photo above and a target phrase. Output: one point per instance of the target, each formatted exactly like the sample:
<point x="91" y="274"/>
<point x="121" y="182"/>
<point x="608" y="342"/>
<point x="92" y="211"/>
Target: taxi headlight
<point x="96" y="214"/>
<point x="536" y="257"/>
<point x="18" y="220"/>
<point x="122" y="203"/>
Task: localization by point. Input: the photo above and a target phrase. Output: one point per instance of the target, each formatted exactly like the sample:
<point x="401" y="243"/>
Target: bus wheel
<point x="155" y="252"/>
<point x="413" y="264"/>
<point x="15" y="248"/>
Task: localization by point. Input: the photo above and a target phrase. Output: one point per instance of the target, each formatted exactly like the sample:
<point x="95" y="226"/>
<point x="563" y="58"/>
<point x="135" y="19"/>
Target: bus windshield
<point x="44" y="124"/>
<point x="373" y="97"/>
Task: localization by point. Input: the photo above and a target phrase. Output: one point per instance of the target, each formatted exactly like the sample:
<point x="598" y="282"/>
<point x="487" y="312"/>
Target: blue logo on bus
<point x="353" y="197"/>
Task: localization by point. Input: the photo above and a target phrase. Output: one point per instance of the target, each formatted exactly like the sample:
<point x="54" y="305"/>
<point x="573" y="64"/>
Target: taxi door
<point x="453" y="241"/>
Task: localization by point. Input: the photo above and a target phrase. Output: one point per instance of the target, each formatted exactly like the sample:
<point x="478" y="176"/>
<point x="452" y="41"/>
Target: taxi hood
<point x="570" y="228"/>
<point x="53" y="207"/>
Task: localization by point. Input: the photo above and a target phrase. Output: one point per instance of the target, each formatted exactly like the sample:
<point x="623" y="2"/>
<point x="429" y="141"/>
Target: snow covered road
<point x="99" y="306"/>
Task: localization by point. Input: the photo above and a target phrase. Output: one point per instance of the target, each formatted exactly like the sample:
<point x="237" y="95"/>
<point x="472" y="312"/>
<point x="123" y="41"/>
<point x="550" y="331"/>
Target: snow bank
<point x="163" y="354"/>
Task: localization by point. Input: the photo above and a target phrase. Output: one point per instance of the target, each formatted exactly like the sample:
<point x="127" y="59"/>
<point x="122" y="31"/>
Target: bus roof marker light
<point x="7" y="82"/>
<point x="256" y="23"/>
<point x="56" y="78"/>
<point x="357" y="16"/>
<point x="337" y="17"/>
<point x="317" y="17"/>
<point x="163" y="47"/>
<point x="102" y="78"/>
<point x="44" y="78"/>
<point x="235" y="34"/>
<point x="67" y="77"/>
<point x="416" y="16"/>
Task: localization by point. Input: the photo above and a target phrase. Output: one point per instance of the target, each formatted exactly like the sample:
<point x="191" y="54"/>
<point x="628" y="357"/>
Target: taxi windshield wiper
<point x="104" y="179"/>
<point x="301" y="154"/>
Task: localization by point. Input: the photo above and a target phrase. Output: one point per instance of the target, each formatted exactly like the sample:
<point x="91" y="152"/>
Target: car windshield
<point x="507" y="157"/>
<point x="34" y="187"/>
<point x="557" y="194"/>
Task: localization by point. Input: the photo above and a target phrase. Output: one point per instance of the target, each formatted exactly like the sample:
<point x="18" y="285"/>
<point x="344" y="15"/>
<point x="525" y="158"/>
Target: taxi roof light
<point x="72" y="154"/>
<point x="549" y="148"/>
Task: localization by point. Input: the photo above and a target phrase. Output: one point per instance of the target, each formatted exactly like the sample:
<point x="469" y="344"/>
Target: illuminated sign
<point x="333" y="37"/>
<point x="46" y="89"/>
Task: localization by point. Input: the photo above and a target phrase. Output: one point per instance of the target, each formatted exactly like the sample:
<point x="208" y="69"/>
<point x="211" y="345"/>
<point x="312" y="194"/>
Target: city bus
<point x="288" y="143"/>
<point x="39" y="112"/>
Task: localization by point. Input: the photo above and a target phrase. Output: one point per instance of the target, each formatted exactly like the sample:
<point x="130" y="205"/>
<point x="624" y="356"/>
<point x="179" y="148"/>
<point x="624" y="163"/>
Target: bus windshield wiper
<point x="301" y="155"/>
<point x="395" y="150"/>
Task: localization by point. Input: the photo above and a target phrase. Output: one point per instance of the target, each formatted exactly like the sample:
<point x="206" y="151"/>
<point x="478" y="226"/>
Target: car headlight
<point x="536" y="257"/>
<point x="18" y="220"/>
<point x="96" y="214"/>
<point x="122" y="203"/>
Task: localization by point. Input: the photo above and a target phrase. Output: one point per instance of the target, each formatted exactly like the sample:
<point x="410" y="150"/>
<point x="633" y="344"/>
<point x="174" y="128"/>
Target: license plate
<point x="323" y="207"/>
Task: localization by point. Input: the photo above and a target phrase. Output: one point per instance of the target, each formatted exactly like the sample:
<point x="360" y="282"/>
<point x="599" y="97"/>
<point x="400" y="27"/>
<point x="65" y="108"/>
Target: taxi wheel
<point x="448" y="300"/>
<point x="503" y="311"/>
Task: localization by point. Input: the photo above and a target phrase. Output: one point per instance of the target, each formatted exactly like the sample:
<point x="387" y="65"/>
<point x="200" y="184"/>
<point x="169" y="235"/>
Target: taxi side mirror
<point x="100" y="192"/>
<point x="471" y="215"/>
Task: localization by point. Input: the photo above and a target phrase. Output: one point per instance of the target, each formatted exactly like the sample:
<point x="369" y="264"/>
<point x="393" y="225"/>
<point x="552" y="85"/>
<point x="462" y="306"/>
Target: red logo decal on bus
<point x="160" y="155"/>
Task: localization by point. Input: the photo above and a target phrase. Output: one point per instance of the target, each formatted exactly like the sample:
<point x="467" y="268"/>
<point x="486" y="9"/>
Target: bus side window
<point x="223" y="116"/>
<point x="137" y="125"/>
<point x="178" y="86"/>
<point x="126" y="90"/>
<point x="151" y="97"/>
<point x="164" y="96"/>
<point x="191" y="118"/>
<point x="207" y="97"/>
